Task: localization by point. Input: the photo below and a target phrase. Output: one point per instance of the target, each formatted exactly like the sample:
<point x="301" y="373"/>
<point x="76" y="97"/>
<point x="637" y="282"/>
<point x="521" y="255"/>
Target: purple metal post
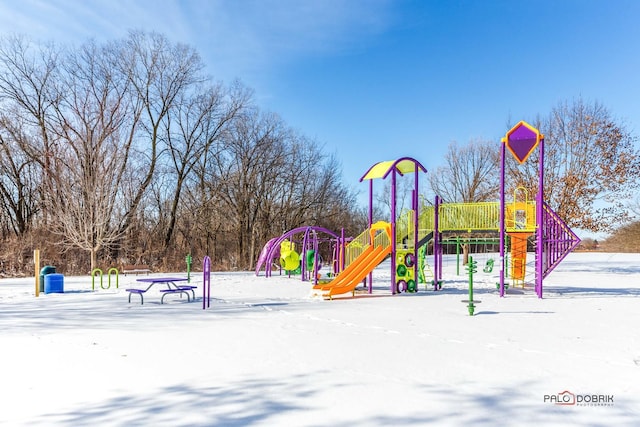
<point x="316" y="257"/>
<point x="341" y="255"/>
<point x="415" y="232"/>
<point x="502" y="219"/>
<point x="437" y="256"/>
<point x="370" y="202"/>
<point x="393" y="231"/>
<point x="370" y="277"/>
<point x="303" y="254"/>
<point x="440" y="267"/>
<point x="540" y="222"/>
<point x="206" y="282"/>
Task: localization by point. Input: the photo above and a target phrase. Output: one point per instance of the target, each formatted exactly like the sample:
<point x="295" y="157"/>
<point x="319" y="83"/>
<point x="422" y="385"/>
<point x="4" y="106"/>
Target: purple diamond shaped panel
<point x="522" y="141"/>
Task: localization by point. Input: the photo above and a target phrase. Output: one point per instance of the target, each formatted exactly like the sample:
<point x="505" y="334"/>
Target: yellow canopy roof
<point x="403" y="166"/>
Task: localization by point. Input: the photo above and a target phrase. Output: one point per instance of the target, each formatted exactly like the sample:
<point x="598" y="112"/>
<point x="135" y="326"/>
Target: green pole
<point x="188" y="261"/>
<point x="471" y="268"/>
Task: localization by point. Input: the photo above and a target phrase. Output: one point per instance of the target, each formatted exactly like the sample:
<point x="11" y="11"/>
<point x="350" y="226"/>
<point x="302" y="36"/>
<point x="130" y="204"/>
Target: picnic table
<point x="173" y="287"/>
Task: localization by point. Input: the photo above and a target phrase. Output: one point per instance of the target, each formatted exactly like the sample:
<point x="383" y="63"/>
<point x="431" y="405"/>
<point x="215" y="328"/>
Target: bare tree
<point x="112" y="147"/>
<point x="266" y="180"/>
<point x="196" y="125"/>
<point x="625" y="238"/>
<point x="20" y="178"/>
<point x="245" y="175"/>
<point x="470" y="174"/>
<point x="28" y="91"/>
<point x="95" y="125"/>
<point x="90" y="158"/>
<point x="159" y="72"/>
<point x="634" y="207"/>
<point x="592" y="166"/>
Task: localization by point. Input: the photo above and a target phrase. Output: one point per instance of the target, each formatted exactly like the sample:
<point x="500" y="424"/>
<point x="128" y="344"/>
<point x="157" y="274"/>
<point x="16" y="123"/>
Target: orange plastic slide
<point x="355" y="273"/>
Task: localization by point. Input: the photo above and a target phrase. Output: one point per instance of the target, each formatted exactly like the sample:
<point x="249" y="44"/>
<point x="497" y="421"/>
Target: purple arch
<point x="307" y="230"/>
<point x="262" y="259"/>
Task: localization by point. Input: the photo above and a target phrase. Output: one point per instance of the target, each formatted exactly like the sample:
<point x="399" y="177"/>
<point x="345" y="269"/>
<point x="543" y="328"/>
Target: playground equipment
<point x="422" y="264"/>
<point x="518" y="220"/>
<point x="518" y="223"/>
<point x="268" y="250"/>
<point x="404" y="235"/>
<point x="554" y="240"/>
<point x="405" y="277"/>
<point x="472" y="267"/>
<point x="488" y="268"/>
<point x="289" y="258"/>
<point x="313" y="260"/>
<point x="374" y="246"/>
<point x="285" y="252"/>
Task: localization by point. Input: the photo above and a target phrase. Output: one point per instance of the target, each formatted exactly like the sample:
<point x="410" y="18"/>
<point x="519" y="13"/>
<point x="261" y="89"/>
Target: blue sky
<point x="375" y="80"/>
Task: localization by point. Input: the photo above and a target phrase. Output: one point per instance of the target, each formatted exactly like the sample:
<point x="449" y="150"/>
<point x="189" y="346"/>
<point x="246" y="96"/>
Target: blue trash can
<point x="54" y="282"/>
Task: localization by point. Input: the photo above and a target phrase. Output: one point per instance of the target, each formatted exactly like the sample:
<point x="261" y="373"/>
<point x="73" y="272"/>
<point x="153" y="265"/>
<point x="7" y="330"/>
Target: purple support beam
<point x="206" y="282"/>
<point x="415" y="231"/>
<point x="437" y="255"/>
<point x="342" y="255"/>
<point x="502" y="219"/>
<point x="393" y="231"/>
<point x="540" y="223"/>
<point x="303" y="254"/>
<point x="370" y="277"/>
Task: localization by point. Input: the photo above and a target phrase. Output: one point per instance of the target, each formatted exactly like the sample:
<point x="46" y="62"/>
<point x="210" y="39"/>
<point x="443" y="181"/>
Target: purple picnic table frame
<point x="172" y="288"/>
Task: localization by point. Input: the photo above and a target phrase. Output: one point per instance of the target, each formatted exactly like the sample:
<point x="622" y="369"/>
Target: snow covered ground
<point x="267" y="354"/>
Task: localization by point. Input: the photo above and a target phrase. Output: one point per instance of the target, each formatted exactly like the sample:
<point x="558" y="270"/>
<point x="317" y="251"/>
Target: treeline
<point x="624" y="239"/>
<point x="126" y="152"/>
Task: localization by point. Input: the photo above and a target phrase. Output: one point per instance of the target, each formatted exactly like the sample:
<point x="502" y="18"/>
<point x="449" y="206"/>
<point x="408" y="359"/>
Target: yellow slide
<point x="360" y="267"/>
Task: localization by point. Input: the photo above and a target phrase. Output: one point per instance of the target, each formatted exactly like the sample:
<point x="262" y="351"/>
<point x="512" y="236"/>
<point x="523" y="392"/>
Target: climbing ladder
<point x="558" y="240"/>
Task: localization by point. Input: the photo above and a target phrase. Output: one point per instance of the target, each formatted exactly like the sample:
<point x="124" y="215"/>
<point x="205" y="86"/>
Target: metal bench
<point x="135" y="269"/>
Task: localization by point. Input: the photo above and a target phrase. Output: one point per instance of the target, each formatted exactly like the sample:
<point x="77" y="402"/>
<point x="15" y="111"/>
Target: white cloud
<point x="255" y="34"/>
<point x="235" y="38"/>
<point x="75" y="21"/>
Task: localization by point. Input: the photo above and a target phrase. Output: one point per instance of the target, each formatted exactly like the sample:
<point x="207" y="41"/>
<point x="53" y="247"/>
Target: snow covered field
<point x="267" y="354"/>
